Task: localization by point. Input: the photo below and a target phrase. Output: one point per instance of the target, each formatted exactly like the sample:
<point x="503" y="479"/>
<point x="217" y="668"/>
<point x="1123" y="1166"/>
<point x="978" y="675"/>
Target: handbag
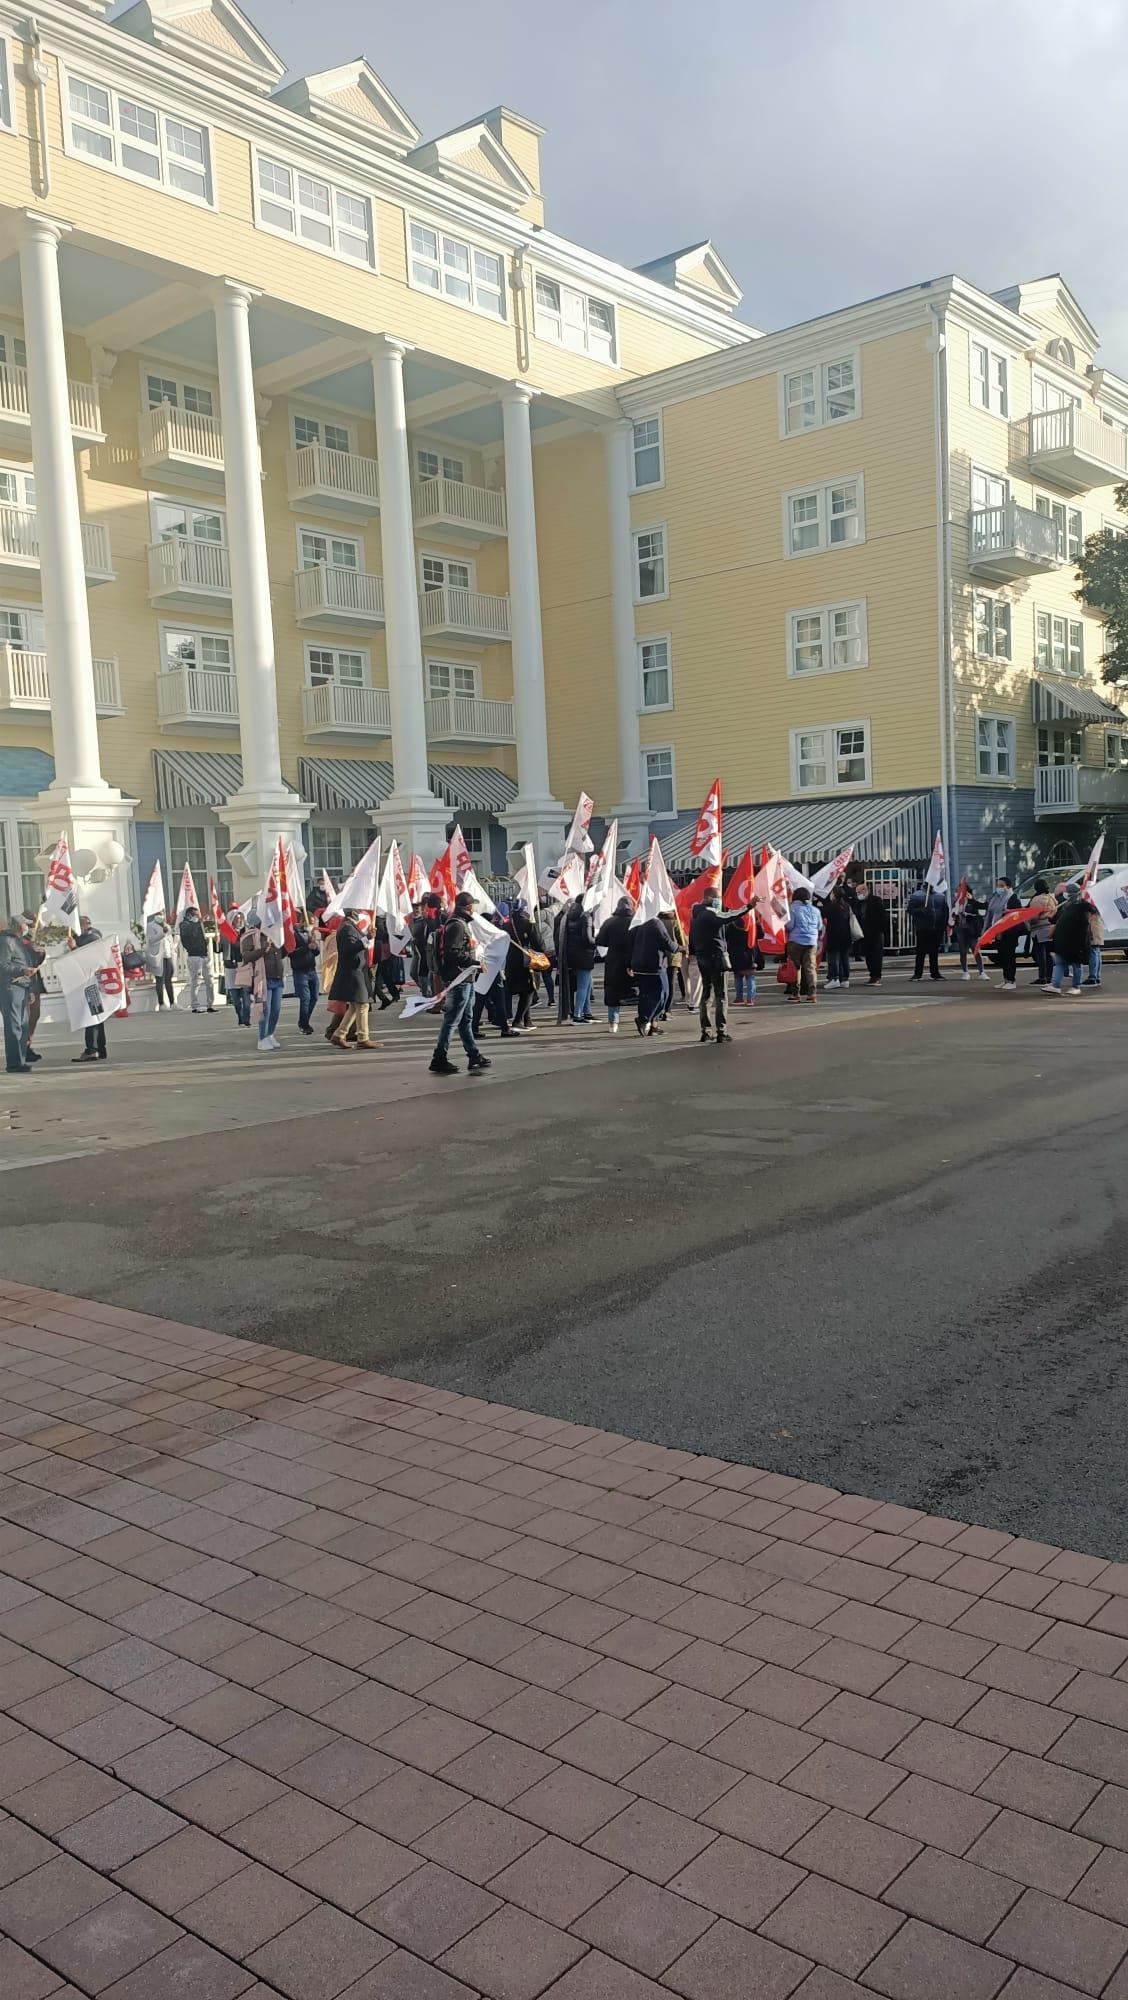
<point x="244" y="975"/>
<point x="788" y="973"/>
<point x="856" y="931"/>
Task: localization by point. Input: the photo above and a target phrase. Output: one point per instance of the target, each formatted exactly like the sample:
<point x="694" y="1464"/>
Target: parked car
<point x="1116" y="935"/>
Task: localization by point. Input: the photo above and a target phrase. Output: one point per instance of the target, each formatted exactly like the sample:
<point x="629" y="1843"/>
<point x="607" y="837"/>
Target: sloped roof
<point x="354" y="101"/>
<point x="473" y="158"/>
<point x="698" y="270"/>
<point x="213" y="35"/>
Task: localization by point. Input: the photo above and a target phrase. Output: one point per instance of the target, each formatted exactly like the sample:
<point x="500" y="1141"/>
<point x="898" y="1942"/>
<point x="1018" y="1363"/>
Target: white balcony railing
<point x="340" y="475"/>
<point x="1013" y="539"/>
<point x="19" y="540"/>
<point x="196" y="694"/>
<point x="477" y="507"/>
<point x="169" y="434"/>
<point x="1056" y="788"/>
<point x="1073" y="448"/>
<point x="346" y="708"/>
<point x="460" y="718"/>
<point x="25" y="683"/>
<point x="82" y="397"/>
<point x="1079" y="788"/>
<point x="453" y="609"/>
<point x="349" y="593"/>
<point x="182" y="564"/>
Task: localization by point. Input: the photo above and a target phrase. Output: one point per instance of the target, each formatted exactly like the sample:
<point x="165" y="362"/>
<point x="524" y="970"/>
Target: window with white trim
<point x="835" y="756"/>
<point x="1071" y="533"/>
<point x="1059" y="644"/>
<point x="318" y="430"/>
<point x="646" y="453"/>
<point x="13" y="350"/>
<point x="825" y="517"/>
<point x="1058" y="746"/>
<point x="433" y="464"/>
<point x="451" y="677"/>
<point x="988" y="489"/>
<point x="183" y="395"/>
<point x="655" y="678"/>
<point x="827" y="639"/>
<point x="200" y="651"/>
<point x="650" y="564"/>
<point x="21" y="882"/>
<point x="660" y="781"/>
<point x="138" y="139"/>
<point x="1116" y="749"/>
<point x="17" y="486"/>
<point x="440" y="573"/>
<point x="994" y="746"/>
<point x="1047" y="394"/>
<point x="313" y="211"/>
<point x="475" y="838"/>
<point x="173" y="519"/>
<point x="992" y="627"/>
<point x="989" y="379"/>
<point x="817" y="396"/>
<point x="456" y="269"/>
<point x="316" y="546"/>
<point x="573" y="319"/>
<point x="7" y="113"/>
<point x="21" y="627"/>
<point x="337" y="663"/>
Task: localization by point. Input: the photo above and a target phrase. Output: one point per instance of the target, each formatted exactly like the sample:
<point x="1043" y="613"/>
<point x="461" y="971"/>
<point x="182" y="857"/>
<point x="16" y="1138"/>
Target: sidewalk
<point x="315" y="1683"/>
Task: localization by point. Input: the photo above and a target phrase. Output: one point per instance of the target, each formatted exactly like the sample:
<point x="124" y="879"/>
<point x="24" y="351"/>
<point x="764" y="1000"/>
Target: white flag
<point x="91" y="982"/>
<point x="470" y="883"/>
<point x="394" y="902"/>
<point x="186" y="896"/>
<point x="154" y="904"/>
<point x="601" y="894"/>
<point x="824" y="879"/>
<point x="495" y="945"/>
<point x="936" y="874"/>
<point x="794" y="876"/>
<point x="565" y="880"/>
<point x="1109" y="897"/>
<point x="418" y="1003"/>
<point x="526" y="880"/>
<point x="579" y="839"/>
<point x="360" y="890"/>
<point x="60" y="904"/>
<point x="1090" y="871"/>
<point x="657" y="891"/>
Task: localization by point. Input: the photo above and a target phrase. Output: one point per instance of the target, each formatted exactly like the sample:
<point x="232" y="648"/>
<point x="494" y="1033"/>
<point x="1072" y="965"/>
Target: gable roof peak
<point x="213" y="35"/>
<point x="353" y="100"/>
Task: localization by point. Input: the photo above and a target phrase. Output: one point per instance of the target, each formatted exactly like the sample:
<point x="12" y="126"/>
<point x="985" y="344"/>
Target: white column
<point x="79" y="802"/>
<point x="412" y="814"/>
<point x="534" y="815"/>
<point x="632" y="810"/>
<point x="264" y="806"/>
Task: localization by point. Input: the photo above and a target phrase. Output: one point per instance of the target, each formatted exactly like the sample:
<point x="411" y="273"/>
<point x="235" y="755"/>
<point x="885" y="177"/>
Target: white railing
<point x="451" y="500"/>
<point x="355" y="593"/>
<point x="82" y="397"/>
<point x="1057" y="788"/>
<point x="19" y="539"/>
<point x="183" y="564"/>
<point x="462" y="718"/>
<point x="1048" y="432"/>
<point x="315" y="468"/>
<point x="346" y="705"/>
<point x="167" y="432"/>
<point x="196" y="694"/>
<point x="1011" y="529"/>
<point x="453" y="609"/>
<point x="25" y="683"/>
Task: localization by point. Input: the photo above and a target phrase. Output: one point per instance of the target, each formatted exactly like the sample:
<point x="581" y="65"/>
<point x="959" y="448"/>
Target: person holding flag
<point x="267" y="963"/>
<point x="193" y="939"/>
<point x="457" y="956"/>
<point x="304" y="954"/>
<point x="18" y="961"/>
<point x="708" y="941"/>
<point x="238" y="977"/>
<point x="160" y="956"/>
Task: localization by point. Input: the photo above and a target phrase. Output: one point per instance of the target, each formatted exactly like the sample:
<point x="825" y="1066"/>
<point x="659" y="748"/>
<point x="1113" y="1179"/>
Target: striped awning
<point x="186" y="778"/>
<point x="344" y="784"/>
<point x="472" y="787"/>
<point x="895" y="827"/>
<point x="1058" y="700"/>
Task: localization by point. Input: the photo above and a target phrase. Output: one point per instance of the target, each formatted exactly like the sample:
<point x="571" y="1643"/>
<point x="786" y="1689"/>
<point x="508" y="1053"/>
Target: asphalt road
<point x="881" y="1245"/>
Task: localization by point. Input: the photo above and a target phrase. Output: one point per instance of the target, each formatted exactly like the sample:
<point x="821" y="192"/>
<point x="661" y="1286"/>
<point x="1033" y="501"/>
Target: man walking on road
<point x="454" y="951"/>
<point x="708" y="944"/>
<point x="195" y="943"/>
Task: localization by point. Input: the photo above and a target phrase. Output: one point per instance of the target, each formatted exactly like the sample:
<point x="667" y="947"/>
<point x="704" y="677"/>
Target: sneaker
<point x="612" y="1027"/>
<point x="439" y="1066"/>
<point x="1075" y="993"/>
<point x="209" y="1010"/>
<point x="477" y="1063"/>
<point x="723" y="1037"/>
<point x="267" y="1048"/>
<point x="831" y="986"/>
<point x="986" y="976"/>
<point x="1051" y="992"/>
<point x="965" y="975"/>
<point x="706" y="1036"/>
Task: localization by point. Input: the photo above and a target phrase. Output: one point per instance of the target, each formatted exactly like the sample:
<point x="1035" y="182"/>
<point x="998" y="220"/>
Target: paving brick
<point x="22" y="1849"/>
<point x="855" y="1852"/>
<point x="108" y="1942"/>
<point x="952" y="1758"/>
<point x="430" y="1910"/>
<point x="846" y="1778"/>
<point x="929" y="1693"/>
<point x="23" y="1977"/>
<point x="764" y="1814"/>
<point x="341" y="1770"/>
<point x="186" y="1970"/>
<point x="183" y="1868"/>
<point x="1035" y="1853"/>
<point x="478" y="1841"/>
<point x="407" y="1804"/>
<point x="1022" y="1725"/>
<point x="1104" y="1886"/>
<point x="605" y="1746"/>
<point x="1063" y="1942"/>
<point x="923" y="1810"/>
<point x="832" y="1924"/>
<point x="49" y="1897"/>
<point x="1106" y="1819"/>
<point x="566" y="1801"/>
<point x="731" y="1961"/>
<point x="684" y="1780"/>
<point x="1042" y="1790"/>
<point x="556" y="1881"/>
<point x="756" y="1743"/>
<point x="737" y="1881"/>
<point x="320" y="1956"/>
<point x="221" y="1797"/>
<point x="653" y="1842"/>
<point x="954" y="1895"/>
<point x="116" y="1833"/>
<point x="247" y="1910"/>
<point x="401" y="1977"/>
<point x="64" y="1796"/>
<point x="860" y="1724"/>
<point x="643" y="1925"/>
<point x="512" y="1956"/>
<point x="921" y="1961"/>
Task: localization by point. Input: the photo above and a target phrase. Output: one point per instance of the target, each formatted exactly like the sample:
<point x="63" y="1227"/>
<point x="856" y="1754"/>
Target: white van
<point x="1116" y="936"/>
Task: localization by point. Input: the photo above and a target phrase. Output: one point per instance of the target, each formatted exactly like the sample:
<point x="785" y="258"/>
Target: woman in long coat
<point x="614" y="937"/>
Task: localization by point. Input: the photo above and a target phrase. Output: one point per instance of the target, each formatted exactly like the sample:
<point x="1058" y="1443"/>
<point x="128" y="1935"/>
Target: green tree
<point x="1102" y="576"/>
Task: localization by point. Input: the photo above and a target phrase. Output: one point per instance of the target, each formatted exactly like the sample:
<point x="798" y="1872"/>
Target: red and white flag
<point x="154" y="904"/>
<point x="216" y="906"/>
<point x="273" y="922"/>
<point x="286" y="897"/>
<point x="92" y="983"/>
<point x="658" y="892"/>
<point x="936" y="874"/>
<point x="566" y="880"/>
<point x="186" y="897"/>
<point x="394" y="902"/>
<point x="706" y="841"/>
<point x="824" y="879"/>
<point x="773" y="900"/>
<point x="632" y="880"/>
<point x="60" y="903"/>
<point x="418" y="881"/>
<point x="526" y="880"/>
<point x="579" y="839"/>
<point x="449" y="873"/>
<point x="601" y="894"/>
<point x="358" y="892"/>
<point x="1091" y="866"/>
<point x="742" y="890"/>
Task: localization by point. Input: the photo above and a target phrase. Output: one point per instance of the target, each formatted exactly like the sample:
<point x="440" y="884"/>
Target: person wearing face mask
<point x="267" y="963"/>
<point x="350" y="982"/>
<point x="1006" y="947"/>
<point x="708" y="942"/>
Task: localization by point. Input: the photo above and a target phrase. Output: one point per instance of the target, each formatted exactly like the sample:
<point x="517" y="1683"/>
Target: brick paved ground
<point x="315" y="1684"/>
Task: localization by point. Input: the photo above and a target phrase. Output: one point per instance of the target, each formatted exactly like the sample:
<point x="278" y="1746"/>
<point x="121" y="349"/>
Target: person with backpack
<point x="453" y="950"/>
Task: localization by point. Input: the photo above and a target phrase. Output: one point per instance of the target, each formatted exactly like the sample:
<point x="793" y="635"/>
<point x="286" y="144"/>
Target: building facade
<point x="337" y="492"/>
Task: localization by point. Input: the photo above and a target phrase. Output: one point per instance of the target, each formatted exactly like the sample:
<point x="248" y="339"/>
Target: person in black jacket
<point x="874" y="919"/>
<point x="651" y="949"/>
<point x="194" y="941"/>
<point x="351" y="982"/>
<point x="454" y="951"/>
<point x="425" y="921"/>
<point x="520" y="978"/>
<point x="839" y="936"/>
<point x="1071" y="944"/>
<point x="303" y="965"/>
<point x="576" y="959"/>
<point x="708" y="942"/>
<point x="743" y="957"/>
<point x="927" y="910"/>
<point x="94" y="1037"/>
<point x="614" y="939"/>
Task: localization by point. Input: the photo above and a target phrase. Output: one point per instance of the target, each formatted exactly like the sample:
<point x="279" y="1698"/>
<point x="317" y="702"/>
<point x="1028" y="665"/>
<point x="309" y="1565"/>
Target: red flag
<point x="695" y="892"/>
<point x="706" y="840"/>
<point x="442" y="876"/>
<point x="418" y="882"/>
<point x="632" y="880"/>
<point x="1011" y="920"/>
<point x="216" y="906"/>
<point x="288" y="938"/>
<point x="773" y="901"/>
<point x="741" y="890"/>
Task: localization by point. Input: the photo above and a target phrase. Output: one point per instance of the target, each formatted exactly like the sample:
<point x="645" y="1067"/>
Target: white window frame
<point x="37" y="641"/>
<point x="474" y="834"/>
<point x="324" y="646"/>
<point x="998" y="721"/>
<point x="822" y="490"/>
<point x="205" y="820"/>
<point x="443" y="461"/>
<point x="303" y="413"/>
<point x="8" y="119"/>
<point x="821" y="393"/>
<point x="1119" y="762"/>
<point x="1047" y="385"/>
<point x="1072" y="625"/>
<point x="1056" y="746"/>
<point x="573" y="332"/>
<point x="437" y="555"/>
<point x="654" y="596"/>
<point x="12" y="330"/>
<point x="1053" y="509"/>
<point x="451" y="667"/>
<point x="996" y="603"/>
<point x="830" y="730"/>
<point x="468" y="243"/>
<point x="328" y="535"/>
<point x="194" y="631"/>
<point x="24" y="475"/>
<point x="648" y="485"/>
<point x="824" y="613"/>
<point x="995" y="402"/>
<point x="160" y="373"/>
<point x="655" y="639"/>
<point x="157" y="500"/>
<point x="336" y="188"/>
<point x="113" y="166"/>
<point x="661" y="750"/>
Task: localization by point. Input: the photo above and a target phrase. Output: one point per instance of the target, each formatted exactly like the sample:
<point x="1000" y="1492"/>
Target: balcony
<point x="25" y="689"/>
<point x="344" y="708"/>
<point x="1071" y="448"/>
<point x="329" y="594"/>
<point x="15" y="410"/>
<point x="19" y="547"/>
<point x="461" y="513"/>
<point x="181" y="444"/>
<point x="336" y="482"/>
<point x="454" y="613"/>
<point x="1075" y="789"/>
<point x="197" y="698"/>
<point x="185" y="573"/>
<point x="1010" y="540"/>
<point x="459" y="718"/>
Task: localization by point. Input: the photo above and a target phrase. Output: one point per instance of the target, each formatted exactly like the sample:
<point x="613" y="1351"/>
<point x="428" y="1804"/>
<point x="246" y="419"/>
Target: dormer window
<point x="316" y="212"/>
<point x="574" y="319"/>
<point x="456" y="270"/>
<point x="138" y="139"/>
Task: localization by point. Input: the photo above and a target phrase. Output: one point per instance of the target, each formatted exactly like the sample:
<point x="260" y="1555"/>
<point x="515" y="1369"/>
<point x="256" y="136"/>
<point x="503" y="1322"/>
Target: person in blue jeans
<point x="303" y="965"/>
<point x="455" y="952"/>
<point x="268" y="960"/>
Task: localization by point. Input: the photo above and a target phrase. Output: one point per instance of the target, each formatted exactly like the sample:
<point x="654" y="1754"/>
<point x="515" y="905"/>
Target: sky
<point x="833" y="149"/>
